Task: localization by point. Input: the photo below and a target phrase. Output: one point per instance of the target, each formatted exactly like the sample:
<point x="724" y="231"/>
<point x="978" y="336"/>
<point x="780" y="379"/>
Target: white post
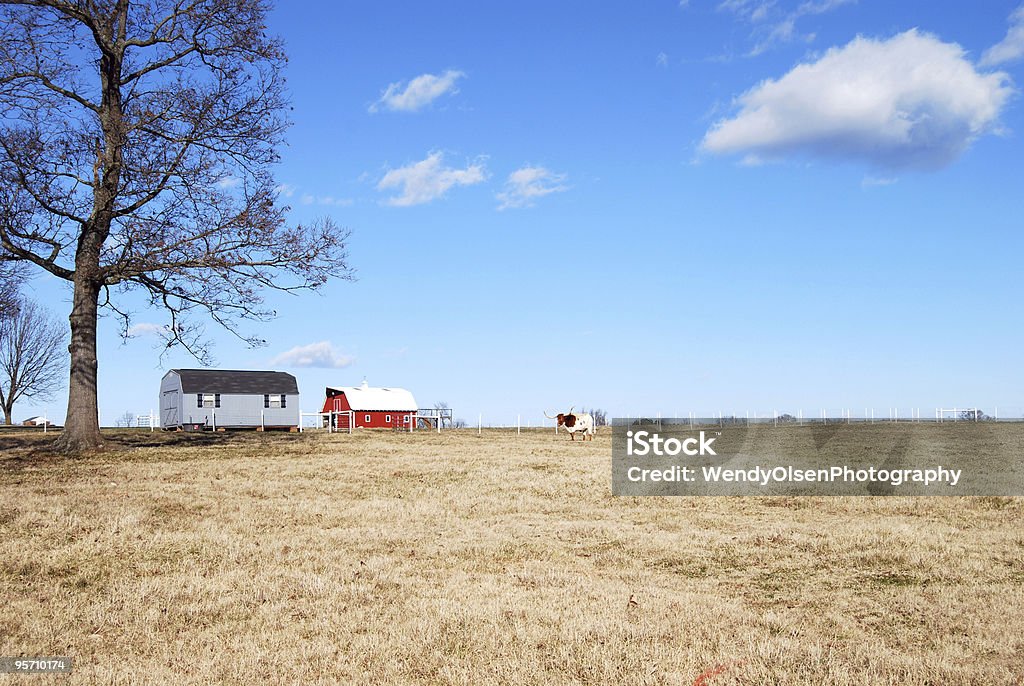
<point x="213" y="413"/>
<point x="45" y="422"/>
<point x="152" y="421"/>
<point x="519" y="424"/>
<point x="997" y="413"/>
<point x="263" y="420"/>
<point x="480" y="425"/>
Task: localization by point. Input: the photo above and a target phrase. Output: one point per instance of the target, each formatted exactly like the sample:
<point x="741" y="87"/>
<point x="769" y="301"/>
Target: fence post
<point x="480" y="425"/>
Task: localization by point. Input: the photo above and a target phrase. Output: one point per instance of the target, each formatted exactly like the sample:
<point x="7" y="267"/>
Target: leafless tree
<point x="127" y="420"/>
<point x="600" y="416"/>
<point x="136" y="150"/>
<point x="10" y="281"/>
<point x="33" y="356"/>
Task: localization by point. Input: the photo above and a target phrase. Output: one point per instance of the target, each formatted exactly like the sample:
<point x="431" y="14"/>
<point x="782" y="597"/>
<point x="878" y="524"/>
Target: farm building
<point x="37" y="421"/>
<point x="374" y="408"/>
<point x="228" y="399"/>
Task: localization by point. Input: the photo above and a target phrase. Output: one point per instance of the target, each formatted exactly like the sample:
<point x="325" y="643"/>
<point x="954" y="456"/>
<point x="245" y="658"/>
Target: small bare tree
<point x="33" y="354"/>
<point x="127" y="420"/>
<point x="10" y="281"/>
<point x="136" y="147"/>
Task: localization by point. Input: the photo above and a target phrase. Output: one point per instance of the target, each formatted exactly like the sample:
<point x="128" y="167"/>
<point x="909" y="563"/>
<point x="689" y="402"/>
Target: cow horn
<point x="549" y="416"/>
<point x="571" y="409"/>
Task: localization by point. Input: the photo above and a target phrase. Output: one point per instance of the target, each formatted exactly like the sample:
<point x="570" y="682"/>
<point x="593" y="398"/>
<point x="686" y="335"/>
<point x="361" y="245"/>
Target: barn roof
<point x="361" y="398"/>
<point x="236" y="382"/>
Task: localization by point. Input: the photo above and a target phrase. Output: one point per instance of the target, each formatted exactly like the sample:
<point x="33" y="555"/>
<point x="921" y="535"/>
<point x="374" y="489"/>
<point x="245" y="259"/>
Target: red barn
<point x="373" y="408"/>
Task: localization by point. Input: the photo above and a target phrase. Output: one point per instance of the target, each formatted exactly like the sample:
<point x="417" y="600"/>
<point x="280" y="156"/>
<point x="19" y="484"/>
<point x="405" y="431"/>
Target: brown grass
<point x="454" y="559"/>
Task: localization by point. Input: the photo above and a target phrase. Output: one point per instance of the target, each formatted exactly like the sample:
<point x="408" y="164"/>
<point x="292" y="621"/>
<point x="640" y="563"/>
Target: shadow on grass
<point x="31" y="447"/>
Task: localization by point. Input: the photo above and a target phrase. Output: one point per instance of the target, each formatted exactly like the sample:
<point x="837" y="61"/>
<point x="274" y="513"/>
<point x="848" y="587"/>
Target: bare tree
<point x="33" y="353"/>
<point x="10" y="280"/>
<point x="136" y="150"/>
<point x="127" y="420"/>
<point x="441" y="406"/>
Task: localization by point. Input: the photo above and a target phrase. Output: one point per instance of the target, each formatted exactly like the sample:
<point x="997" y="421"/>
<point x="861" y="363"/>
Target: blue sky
<point x="646" y="207"/>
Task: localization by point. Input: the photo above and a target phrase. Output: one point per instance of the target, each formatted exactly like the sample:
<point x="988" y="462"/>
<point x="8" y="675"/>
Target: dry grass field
<point x="388" y="558"/>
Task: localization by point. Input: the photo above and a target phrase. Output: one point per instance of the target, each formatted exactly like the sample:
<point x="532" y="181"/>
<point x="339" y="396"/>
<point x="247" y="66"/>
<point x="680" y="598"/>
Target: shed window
<point x="209" y="400"/>
<point x="199" y="399"/>
<point x="275" y="400"/>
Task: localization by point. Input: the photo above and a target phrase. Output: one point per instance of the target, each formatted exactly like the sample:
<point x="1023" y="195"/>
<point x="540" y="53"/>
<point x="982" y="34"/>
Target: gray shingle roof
<point x="234" y="382"/>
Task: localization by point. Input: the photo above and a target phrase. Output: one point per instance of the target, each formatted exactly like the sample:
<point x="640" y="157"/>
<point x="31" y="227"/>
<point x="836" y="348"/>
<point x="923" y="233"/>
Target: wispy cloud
<point x="748" y="10"/>
<point x="876" y="181"/>
<point x="1011" y="48"/>
<point x="326" y="200"/>
<point x="320" y="355"/>
<point x="285" y="190"/>
<point x="911" y="101"/>
<point x="773" y="23"/>
<point x="417" y="93"/>
<point x="146" y="329"/>
<point x="526" y="184"/>
<point x="661" y="60"/>
<point x="428" y="179"/>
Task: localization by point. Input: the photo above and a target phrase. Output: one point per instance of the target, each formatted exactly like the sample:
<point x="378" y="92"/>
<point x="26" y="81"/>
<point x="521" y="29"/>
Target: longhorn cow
<point x="581" y="421"/>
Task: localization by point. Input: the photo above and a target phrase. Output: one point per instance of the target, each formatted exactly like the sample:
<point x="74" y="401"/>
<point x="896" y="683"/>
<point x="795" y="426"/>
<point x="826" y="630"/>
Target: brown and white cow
<point x="581" y="421"/>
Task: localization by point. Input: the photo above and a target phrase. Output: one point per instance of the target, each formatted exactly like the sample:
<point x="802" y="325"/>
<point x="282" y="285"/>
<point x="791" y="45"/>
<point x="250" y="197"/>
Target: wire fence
<point x="532" y="420"/>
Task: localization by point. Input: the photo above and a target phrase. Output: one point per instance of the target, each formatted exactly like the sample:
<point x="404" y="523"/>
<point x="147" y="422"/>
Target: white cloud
<point x="226" y="182"/>
<point x="417" y="93"/>
<point x="428" y="180"/>
<point x="527" y="184"/>
<point x="662" y="60"/>
<point x="285" y="190"/>
<point x="146" y="329"/>
<point x="911" y="101"/>
<point x="876" y="181"/>
<point x="750" y="10"/>
<point x="319" y="355"/>
<point x="1011" y="48"/>
<point x="328" y="200"/>
<point x="773" y="24"/>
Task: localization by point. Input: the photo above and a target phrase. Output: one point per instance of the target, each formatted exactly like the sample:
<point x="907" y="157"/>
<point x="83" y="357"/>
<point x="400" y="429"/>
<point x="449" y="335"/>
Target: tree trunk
<point x="82" y="426"/>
